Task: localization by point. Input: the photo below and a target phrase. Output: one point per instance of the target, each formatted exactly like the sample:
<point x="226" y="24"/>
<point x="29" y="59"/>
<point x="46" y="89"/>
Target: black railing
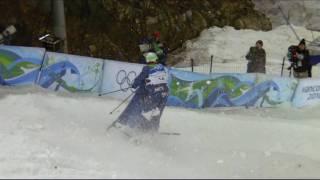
<point x="237" y="67"/>
<point x="192" y="65"/>
<point x="211" y="62"/>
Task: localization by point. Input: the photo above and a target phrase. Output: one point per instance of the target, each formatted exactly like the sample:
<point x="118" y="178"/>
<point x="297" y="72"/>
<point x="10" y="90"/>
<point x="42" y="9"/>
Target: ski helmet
<point x="151" y="57"/>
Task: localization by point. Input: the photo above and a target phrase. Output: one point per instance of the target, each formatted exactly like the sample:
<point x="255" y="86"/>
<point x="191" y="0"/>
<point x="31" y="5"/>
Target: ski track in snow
<point x="53" y="135"/>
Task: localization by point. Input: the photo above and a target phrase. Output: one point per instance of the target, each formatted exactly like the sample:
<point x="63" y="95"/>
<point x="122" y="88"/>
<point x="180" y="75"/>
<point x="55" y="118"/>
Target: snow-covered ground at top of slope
<point x="229" y="47"/>
<point x="48" y="135"/>
<point x="299" y="12"/>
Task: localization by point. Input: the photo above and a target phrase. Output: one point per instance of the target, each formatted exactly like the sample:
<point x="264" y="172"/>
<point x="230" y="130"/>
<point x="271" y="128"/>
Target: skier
<point x="146" y="107"/>
<point x="299" y="58"/>
<point x="256" y="59"/>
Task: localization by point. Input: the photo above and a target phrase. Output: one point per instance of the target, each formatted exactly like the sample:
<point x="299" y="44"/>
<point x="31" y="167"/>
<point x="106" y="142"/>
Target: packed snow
<point x="299" y="12"/>
<point x="229" y="46"/>
<point x="54" y="135"/>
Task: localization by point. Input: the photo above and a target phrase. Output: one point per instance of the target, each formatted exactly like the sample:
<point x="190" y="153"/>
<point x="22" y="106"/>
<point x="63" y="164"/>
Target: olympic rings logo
<point x="125" y="80"/>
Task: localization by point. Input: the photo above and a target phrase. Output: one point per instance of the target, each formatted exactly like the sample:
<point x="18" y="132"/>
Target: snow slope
<point x="300" y="12"/>
<point x="229" y="47"/>
<point x="48" y="135"/>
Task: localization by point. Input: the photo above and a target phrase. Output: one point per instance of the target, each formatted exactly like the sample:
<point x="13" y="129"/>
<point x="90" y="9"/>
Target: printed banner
<point x="20" y="65"/>
<point x="119" y="76"/>
<point x="307" y="93"/>
<point x="70" y="73"/>
<point x="194" y="90"/>
<point x="281" y="90"/>
<point x="314" y="60"/>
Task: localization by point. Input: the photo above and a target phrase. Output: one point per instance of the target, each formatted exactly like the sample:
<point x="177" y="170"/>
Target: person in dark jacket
<point x="159" y="48"/>
<point x="145" y="109"/>
<point x="299" y="58"/>
<point x="256" y="59"/>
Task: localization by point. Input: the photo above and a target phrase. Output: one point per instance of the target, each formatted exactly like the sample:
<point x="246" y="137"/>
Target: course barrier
<point x="71" y="73"/>
<point x="227" y="90"/>
<point x="79" y="74"/>
<point x="20" y="65"/>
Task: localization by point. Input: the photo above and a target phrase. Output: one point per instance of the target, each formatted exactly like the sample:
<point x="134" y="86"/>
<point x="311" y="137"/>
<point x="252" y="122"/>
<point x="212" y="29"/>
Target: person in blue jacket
<point x="146" y="107"/>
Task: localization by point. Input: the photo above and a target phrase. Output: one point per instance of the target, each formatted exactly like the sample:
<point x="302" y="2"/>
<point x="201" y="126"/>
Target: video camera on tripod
<point x="51" y="42"/>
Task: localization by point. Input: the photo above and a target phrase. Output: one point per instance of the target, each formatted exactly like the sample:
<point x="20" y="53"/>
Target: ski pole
<point x="284" y="58"/>
<point x="290" y="71"/>
<point x="114" y="122"/>
<point x="102" y="94"/>
<point x="121" y="103"/>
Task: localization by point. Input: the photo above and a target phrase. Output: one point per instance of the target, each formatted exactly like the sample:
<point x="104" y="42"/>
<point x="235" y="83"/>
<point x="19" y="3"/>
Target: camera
<point x="10" y="30"/>
<point x="7" y="33"/>
<point x="51" y="42"/>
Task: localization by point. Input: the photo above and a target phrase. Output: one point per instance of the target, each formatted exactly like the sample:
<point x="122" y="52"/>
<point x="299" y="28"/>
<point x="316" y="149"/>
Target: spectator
<point x="299" y="58"/>
<point x="153" y="44"/>
<point x="256" y="59"/>
<point x="159" y="48"/>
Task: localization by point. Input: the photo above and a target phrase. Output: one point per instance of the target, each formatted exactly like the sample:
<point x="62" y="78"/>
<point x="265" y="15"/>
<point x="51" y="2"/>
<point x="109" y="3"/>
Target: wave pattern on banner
<point x="71" y="73"/>
<point x="228" y="90"/>
<point x="20" y="65"/>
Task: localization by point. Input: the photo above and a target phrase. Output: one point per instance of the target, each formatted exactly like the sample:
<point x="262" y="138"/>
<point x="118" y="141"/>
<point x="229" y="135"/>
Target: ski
<point x="160" y="133"/>
<point x="111" y="126"/>
<point x="170" y="133"/>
